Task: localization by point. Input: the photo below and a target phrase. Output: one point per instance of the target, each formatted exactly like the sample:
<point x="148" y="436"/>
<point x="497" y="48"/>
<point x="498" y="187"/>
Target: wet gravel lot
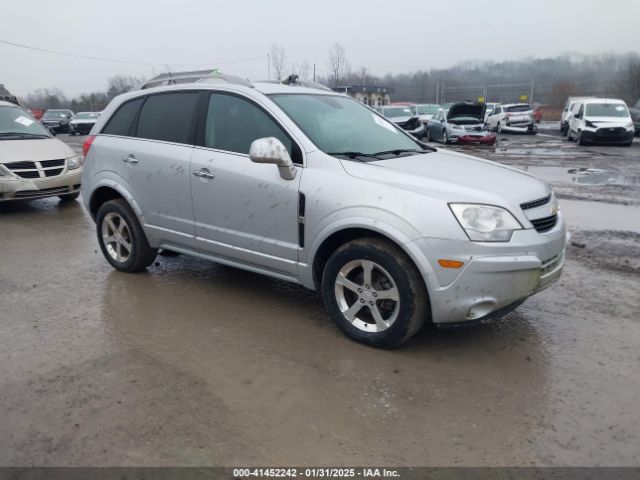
<point x="193" y="363"/>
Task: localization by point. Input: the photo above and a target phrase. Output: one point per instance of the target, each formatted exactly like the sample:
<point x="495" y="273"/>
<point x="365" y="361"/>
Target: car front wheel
<point x="121" y="238"/>
<point x="374" y="293"/>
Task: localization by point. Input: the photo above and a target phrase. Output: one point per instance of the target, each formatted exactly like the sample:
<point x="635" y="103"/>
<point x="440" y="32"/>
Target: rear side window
<point x="120" y="122"/>
<point x="518" y="108"/>
<point x="234" y="123"/>
<point x="168" y="117"/>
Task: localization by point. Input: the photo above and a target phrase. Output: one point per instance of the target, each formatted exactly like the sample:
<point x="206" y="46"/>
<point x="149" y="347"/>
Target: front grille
<point x="50" y="168"/>
<point x="52" y="172"/>
<point x="535" y="203"/>
<point x="52" y="163"/>
<point x="545" y="224"/>
<point x="28" y="174"/>
<point x="41" y="193"/>
<point x="613" y="132"/>
<point x="21" y="165"/>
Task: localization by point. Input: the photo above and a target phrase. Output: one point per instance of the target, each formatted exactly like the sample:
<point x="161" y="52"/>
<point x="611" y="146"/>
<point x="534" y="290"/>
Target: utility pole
<point x="268" y="67"/>
<point x="438" y="92"/>
<point x="531" y="93"/>
<point x="314" y="72"/>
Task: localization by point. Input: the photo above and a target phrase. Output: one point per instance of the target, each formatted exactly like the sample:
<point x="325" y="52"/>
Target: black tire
<point x="445" y="136"/>
<point x="499" y="127"/>
<point x="580" y="139"/>
<point x="141" y="254"/>
<point x="413" y="309"/>
<point x="69" y="198"/>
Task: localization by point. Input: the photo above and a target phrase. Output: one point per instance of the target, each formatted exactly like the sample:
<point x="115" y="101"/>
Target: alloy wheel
<point x="116" y="237"/>
<point x="367" y="296"/>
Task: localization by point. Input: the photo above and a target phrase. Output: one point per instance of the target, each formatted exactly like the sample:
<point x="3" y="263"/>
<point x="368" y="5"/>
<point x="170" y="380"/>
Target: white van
<point x="601" y="120"/>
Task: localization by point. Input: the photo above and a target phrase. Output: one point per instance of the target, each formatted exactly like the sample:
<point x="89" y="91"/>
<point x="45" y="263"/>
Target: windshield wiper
<point x="398" y="151"/>
<point x="352" y="154"/>
<point x="23" y="134"/>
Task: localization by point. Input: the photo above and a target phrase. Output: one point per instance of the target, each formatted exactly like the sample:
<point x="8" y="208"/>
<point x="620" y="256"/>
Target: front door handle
<point x="204" y="173"/>
<point x="131" y="158"/>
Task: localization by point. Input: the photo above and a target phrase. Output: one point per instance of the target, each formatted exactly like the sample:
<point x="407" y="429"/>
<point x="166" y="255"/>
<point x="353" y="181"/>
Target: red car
<point x="37" y="113"/>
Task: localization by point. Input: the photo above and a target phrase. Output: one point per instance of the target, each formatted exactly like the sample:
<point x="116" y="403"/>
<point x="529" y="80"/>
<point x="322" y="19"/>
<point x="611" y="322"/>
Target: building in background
<point x="372" y="95"/>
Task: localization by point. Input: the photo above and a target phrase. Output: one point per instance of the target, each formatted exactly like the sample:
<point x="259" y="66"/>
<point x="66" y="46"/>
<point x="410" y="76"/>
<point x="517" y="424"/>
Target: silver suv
<point x="313" y="187"/>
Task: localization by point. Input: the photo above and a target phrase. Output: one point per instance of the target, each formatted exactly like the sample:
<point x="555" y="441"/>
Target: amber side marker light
<point x="450" y="263"/>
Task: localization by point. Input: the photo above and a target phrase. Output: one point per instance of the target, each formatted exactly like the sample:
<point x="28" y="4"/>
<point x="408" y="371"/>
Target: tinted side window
<point x="168" y="117"/>
<point x="120" y="122"/>
<point x="233" y="123"/>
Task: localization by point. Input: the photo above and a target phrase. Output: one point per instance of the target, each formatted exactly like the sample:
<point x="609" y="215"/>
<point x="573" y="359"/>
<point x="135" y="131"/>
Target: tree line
<point x="551" y="79"/>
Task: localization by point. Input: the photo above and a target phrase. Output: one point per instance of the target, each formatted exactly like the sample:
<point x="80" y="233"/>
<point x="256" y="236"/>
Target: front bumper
<point x="487" y="139"/>
<point x="81" y="128"/>
<point x="13" y="188"/>
<point x="57" y="126"/>
<point x="495" y="276"/>
<point x="602" y="135"/>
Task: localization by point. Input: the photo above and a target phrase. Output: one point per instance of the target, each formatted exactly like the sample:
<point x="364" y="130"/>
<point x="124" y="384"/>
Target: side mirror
<point x="271" y="150"/>
<point x="52" y="131"/>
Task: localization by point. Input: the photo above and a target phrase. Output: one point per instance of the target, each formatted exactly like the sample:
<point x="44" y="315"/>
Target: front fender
<point x="403" y="237"/>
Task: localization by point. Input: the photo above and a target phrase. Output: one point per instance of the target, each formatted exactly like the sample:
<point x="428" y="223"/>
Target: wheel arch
<point x="110" y="191"/>
<point x="339" y="236"/>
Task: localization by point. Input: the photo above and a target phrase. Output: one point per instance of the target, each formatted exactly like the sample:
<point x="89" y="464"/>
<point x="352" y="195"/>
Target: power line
<point x="127" y="62"/>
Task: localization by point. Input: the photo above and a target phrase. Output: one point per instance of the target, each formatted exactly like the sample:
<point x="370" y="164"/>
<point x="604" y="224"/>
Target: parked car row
<point x="462" y="122"/>
<point x="65" y="121"/>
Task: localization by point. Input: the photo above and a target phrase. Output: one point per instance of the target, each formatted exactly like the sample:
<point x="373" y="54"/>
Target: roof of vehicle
<point x="514" y="105"/>
<point x="58" y="110"/>
<point x="7" y="104"/>
<point x="603" y="100"/>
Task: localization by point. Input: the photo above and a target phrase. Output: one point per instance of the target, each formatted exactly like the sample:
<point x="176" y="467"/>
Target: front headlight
<point x="74" y="162"/>
<point x="629" y="126"/>
<point x="485" y="223"/>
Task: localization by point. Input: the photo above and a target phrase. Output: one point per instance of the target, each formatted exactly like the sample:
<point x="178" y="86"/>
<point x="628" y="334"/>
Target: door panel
<point x="246" y="212"/>
<point x="243" y="210"/>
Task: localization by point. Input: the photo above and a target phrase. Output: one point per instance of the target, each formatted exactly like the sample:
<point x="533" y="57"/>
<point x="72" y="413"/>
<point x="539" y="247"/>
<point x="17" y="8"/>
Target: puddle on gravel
<point x="583" y="176"/>
<point x="587" y="215"/>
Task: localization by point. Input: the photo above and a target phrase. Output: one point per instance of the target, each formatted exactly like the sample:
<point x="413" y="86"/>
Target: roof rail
<point x="294" y="80"/>
<point x="199" y="76"/>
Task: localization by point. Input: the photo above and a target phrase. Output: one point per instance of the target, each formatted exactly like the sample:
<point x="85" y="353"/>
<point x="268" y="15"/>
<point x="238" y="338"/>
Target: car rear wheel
<point x="121" y="238"/>
<point x="499" y="127"/>
<point x="374" y="293"/>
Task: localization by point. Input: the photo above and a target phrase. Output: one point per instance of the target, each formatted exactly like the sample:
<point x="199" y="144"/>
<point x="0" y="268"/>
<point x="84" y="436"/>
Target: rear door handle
<point x="131" y="158"/>
<point x="204" y="173"/>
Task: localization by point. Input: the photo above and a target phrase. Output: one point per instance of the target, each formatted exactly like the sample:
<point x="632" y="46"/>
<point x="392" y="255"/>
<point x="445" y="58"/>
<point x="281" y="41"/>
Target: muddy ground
<point x="192" y="363"/>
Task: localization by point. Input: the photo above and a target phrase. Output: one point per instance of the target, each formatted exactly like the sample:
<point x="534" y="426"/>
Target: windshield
<point x="86" y="116"/>
<point x="518" y="108"/>
<point x="341" y="124"/>
<point x="55" y="114"/>
<point x="15" y="122"/>
<point x="606" y="110"/>
<point x="394" y="112"/>
<point x="427" y="109"/>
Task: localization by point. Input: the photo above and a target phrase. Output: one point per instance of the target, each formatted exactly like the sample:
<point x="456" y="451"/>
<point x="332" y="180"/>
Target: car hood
<point x="33" y="150"/>
<point x="467" y="110"/>
<point x="610" y="121"/>
<point x="454" y="177"/>
<point x="83" y="120"/>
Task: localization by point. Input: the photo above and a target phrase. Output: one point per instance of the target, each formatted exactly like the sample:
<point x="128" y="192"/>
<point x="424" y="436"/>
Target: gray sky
<point x="383" y="36"/>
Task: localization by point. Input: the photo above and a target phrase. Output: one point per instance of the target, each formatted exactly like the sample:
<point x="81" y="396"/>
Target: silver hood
<point x="34" y="150"/>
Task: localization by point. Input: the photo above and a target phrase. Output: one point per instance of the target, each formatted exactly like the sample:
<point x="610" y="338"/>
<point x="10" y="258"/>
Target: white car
<point x="33" y="163"/>
<point x="601" y="120"/>
<point x="490" y="108"/>
<point x="514" y="117"/>
<point x="83" y="122"/>
<point x="568" y="112"/>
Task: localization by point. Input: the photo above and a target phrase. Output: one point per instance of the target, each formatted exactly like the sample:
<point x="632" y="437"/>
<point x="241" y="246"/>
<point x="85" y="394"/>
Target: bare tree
<point x="278" y="58"/>
<point x="47" y="98"/>
<point x="122" y="84"/>
<point x="305" y="71"/>
<point x="337" y="62"/>
<point x="630" y="84"/>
